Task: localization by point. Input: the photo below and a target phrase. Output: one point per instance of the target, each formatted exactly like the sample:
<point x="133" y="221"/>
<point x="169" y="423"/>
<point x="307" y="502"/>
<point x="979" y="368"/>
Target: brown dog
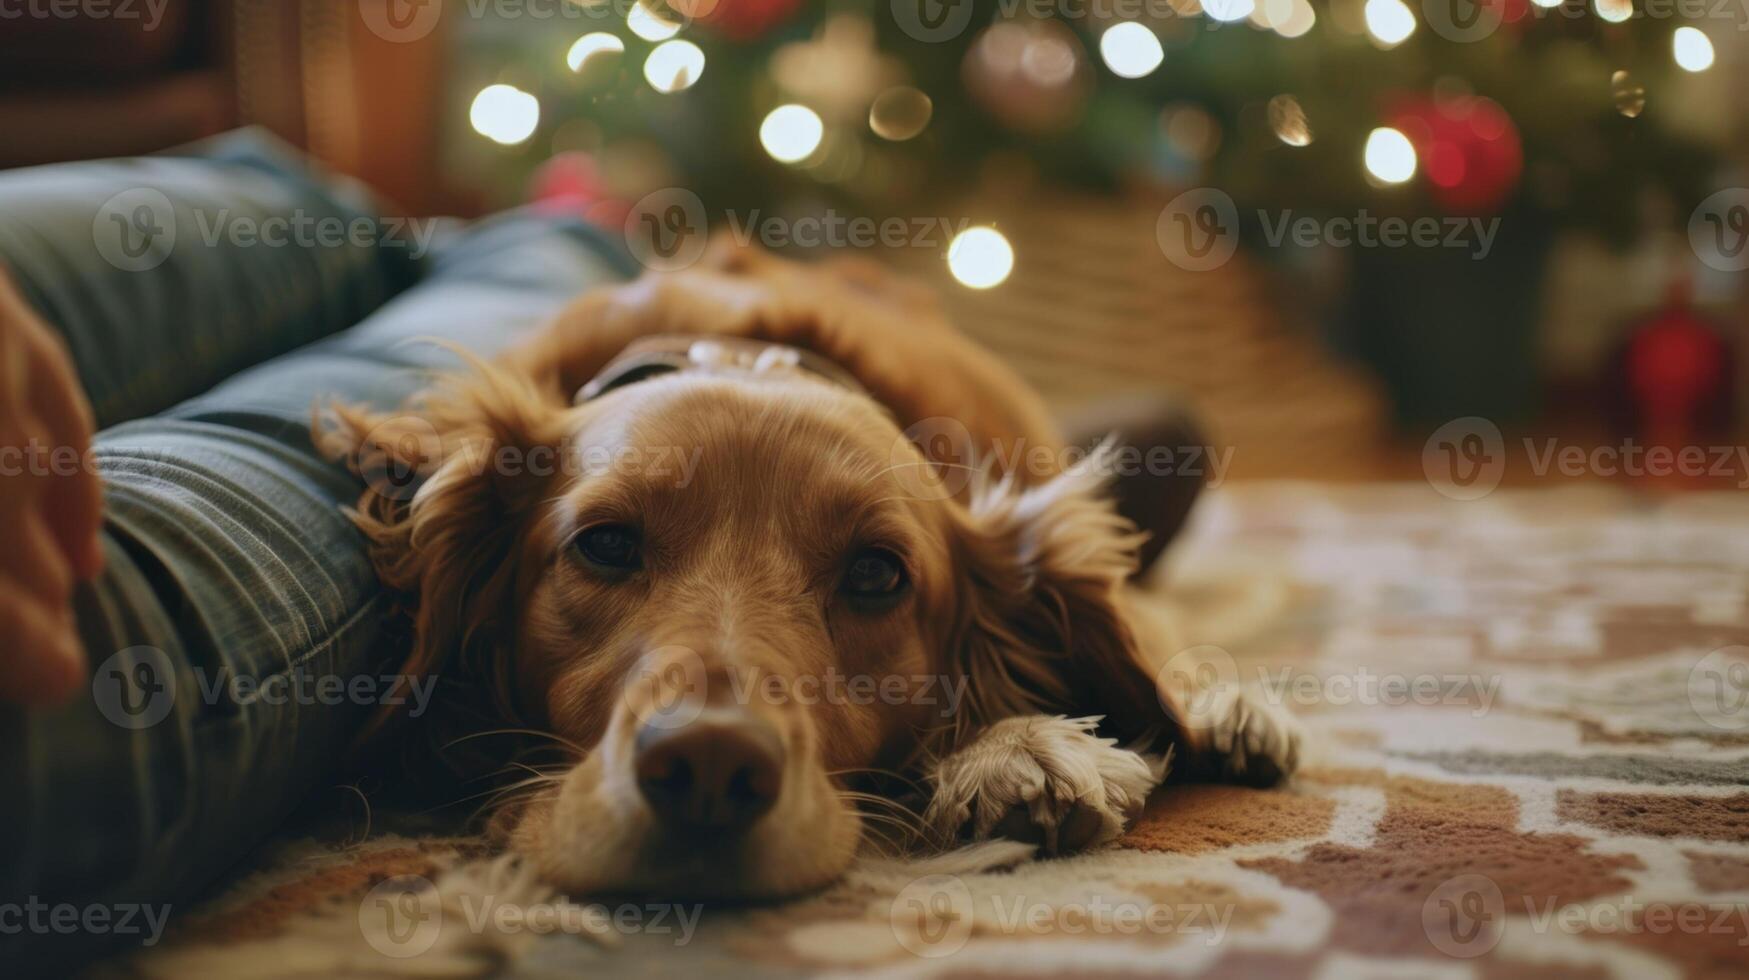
<point x="733" y="584"/>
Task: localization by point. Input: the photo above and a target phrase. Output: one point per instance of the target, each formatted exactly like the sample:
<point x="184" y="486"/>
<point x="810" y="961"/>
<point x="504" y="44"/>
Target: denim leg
<point x="232" y="570"/>
<point x="168" y="274"/>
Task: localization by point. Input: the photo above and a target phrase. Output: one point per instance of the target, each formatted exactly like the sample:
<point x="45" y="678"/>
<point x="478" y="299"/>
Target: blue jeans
<point x="237" y="634"/>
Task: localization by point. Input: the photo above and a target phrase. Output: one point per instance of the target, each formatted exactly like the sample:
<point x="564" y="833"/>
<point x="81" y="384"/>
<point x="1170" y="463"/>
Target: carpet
<point x="1531" y="758"/>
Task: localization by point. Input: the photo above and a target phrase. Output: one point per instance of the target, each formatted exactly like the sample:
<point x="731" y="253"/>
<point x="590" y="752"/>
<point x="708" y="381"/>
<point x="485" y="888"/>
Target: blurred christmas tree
<point x="1457" y="107"/>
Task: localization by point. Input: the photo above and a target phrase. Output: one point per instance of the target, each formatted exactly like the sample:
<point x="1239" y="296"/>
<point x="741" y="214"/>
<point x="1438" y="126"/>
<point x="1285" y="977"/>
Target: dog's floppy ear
<point x="1044" y="626"/>
<point x="450" y="482"/>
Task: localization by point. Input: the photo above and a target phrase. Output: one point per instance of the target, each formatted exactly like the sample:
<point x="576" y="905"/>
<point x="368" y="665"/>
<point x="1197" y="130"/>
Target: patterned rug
<point x="1532" y="724"/>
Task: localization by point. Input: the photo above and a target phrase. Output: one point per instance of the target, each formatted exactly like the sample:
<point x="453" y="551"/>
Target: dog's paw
<point x="1042" y="780"/>
<point x="1257" y="743"/>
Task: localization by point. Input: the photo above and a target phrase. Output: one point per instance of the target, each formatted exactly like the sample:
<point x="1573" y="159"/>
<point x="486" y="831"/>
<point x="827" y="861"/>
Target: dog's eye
<point x="874" y="573"/>
<point x="608" y="546"/>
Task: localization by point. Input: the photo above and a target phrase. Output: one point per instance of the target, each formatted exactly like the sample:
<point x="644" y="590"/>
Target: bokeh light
<point x="1130" y="50"/>
<point x="1615" y="11"/>
<point x="674" y="65"/>
<point x="980" y="257"/>
<point x="648" y="26"/>
<point x="1390" y="157"/>
<point x="1390" y="22"/>
<point x="1228" y="11"/>
<point x="790" y="133"/>
<point x="504" y="114"/>
<point x="1693" y="49"/>
<point x="591" y="45"/>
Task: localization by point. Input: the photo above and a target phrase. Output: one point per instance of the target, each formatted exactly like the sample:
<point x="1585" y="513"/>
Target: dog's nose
<point x="719" y="771"/>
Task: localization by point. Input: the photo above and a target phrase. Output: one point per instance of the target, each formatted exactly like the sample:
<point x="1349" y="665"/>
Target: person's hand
<point x="50" y="508"/>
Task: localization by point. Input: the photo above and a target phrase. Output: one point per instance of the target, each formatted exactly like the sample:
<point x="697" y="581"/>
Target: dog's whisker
<point x="534" y="732"/>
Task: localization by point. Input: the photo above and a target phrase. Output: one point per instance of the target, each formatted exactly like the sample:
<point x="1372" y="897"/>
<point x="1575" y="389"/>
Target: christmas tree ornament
<point x="1671" y="381"/>
<point x="900" y="113"/>
<point x="737" y="20"/>
<point x="1628" y="93"/>
<point x="1469" y="149"/>
<point x="1288" y="121"/>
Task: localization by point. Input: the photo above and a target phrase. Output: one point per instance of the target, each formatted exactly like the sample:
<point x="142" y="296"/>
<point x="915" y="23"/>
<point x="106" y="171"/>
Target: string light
<point x="1389" y="22"/>
<point x="1390" y="157"/>
<point x="1130" y="50"/>
<point x="980" y="257"/>
<point x="645" y="24"/>
<point x="1693" y="49"/>
<point x="1615" y="11"/>
<point x="673" y="66"/>
<point x="590" y="45"/>
<point x="504" y="114"/>
<point x="1298" y="21"/>
<point x="790" y="133"/>
<point x="1228" y="11"/>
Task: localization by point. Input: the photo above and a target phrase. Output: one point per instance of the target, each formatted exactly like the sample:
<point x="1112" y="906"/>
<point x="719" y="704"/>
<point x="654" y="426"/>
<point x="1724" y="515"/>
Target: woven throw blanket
<point x="1531" y="716"/>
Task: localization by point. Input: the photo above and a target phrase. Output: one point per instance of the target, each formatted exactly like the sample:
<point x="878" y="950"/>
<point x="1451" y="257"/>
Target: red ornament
<point x="737" y="20"/>
<point x="1676" y="374"/>
<point x="1469" y="149"/>
<point x="571" y="183"/>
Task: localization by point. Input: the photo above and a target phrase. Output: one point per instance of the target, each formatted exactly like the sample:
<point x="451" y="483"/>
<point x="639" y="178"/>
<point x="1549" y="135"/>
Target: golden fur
<point x="1017" y="578"/>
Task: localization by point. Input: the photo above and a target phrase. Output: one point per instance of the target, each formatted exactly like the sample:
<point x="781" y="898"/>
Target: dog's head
<point x="731" y="593"/>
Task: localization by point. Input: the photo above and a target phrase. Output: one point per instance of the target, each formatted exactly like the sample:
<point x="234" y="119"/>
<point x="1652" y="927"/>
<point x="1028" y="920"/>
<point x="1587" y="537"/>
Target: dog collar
<point x="648" y="357"/>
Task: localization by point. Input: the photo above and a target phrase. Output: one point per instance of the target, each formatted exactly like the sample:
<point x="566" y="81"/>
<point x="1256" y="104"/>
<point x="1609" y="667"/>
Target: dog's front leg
<point x="1040" y="779"/>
